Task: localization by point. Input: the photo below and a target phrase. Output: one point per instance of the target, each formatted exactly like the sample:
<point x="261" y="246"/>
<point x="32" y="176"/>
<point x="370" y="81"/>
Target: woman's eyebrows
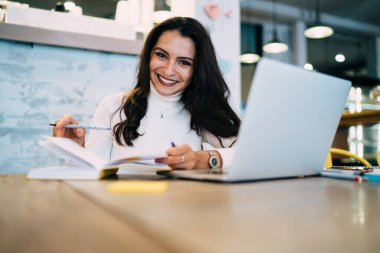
<point x="180" y="57"/>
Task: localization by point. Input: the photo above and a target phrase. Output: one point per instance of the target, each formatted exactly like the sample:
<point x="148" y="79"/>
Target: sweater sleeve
<point x="100" y="142"/>
<point x="225" y="147"/>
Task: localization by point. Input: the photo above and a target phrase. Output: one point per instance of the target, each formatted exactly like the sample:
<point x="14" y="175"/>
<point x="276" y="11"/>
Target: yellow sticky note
<point x="138" y="187"/>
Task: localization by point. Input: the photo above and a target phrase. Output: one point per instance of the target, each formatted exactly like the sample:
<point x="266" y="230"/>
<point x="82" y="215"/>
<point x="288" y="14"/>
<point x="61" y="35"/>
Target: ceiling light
<point x="318" y="31"/>
<point x="340" y="58"/>
<point x="308" y="66"/>
<point x="69" y="5"/>
<point x="249" y="58"/>
<point x="275" y="46"/>
<point x="251" y="43"/>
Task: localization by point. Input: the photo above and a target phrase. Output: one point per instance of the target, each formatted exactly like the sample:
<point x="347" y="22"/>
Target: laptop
<point x="288" y="126"/>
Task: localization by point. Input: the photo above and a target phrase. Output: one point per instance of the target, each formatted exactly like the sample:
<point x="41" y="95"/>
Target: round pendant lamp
<point x="318" y="30"/>
<point x="250" y="43"/>
<point x="275" y="46"/>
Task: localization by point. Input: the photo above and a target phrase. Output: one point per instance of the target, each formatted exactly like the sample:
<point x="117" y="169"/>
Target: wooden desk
<point x="50" y="216"/>
<point x="295" y="215"/>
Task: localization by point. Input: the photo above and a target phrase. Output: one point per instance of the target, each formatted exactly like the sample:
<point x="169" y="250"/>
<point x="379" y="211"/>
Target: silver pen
<point x="85" y="127"/>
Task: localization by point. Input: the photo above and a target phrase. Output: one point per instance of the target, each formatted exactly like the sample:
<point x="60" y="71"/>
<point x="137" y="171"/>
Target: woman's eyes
<point x="161" y="55"/>
<point x="185" y="62"/>
<point x="182" y="62"/>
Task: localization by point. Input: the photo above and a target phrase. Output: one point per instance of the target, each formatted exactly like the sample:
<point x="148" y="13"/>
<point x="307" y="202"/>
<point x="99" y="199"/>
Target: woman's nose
<point x="169" y="68"/>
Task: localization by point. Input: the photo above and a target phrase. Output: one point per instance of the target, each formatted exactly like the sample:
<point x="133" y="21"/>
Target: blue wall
<point x="39" y="83"/>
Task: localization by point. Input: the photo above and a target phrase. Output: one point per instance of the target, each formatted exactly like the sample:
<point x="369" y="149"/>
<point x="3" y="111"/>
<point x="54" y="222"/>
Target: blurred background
<point x="349" y="48"/>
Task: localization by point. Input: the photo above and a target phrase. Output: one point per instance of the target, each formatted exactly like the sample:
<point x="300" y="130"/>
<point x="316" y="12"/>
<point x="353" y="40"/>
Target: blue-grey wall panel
<point x="39" y="83"/>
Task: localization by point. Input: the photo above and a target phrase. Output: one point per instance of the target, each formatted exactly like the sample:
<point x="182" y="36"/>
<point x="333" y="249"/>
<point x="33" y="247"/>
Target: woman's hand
<point x="183" y="157"/>
<point x="77" y="134"/>
<point x="180" y="157"/>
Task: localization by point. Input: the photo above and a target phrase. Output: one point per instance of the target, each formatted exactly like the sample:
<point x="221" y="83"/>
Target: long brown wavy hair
<point x="206" y="97"/>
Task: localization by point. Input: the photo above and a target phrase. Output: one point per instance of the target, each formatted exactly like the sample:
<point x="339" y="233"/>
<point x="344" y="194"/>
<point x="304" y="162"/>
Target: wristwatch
<point x="213" y="162"/>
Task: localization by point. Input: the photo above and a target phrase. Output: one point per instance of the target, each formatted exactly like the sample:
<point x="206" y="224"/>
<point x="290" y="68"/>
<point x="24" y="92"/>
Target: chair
<point x="328" y="163"/>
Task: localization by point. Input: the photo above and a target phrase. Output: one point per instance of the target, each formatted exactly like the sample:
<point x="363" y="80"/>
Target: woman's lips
<point x="165" y="81"/>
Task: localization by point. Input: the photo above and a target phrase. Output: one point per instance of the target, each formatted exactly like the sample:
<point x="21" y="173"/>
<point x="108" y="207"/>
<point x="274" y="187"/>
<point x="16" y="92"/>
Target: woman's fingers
<point x="75" y="134"/>
<point x="65" y="120"/>
<point x="66" y="132"/>
<point x="80" y="132"/>
<point x="60" y="131"/>
<point x="179" y="150"/>
<point x="180" y="157"/>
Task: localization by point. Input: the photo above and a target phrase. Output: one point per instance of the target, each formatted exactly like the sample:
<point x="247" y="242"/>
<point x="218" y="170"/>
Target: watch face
<point x="214" y="162"/>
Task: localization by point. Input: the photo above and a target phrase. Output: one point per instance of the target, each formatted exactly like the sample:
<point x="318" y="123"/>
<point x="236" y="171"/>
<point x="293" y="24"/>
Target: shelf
<point x="69" y="39"/>
<point x="360" y="118"/>
<point x="33" y="25"/>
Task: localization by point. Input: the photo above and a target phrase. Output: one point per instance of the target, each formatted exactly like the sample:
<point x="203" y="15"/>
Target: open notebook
<point x="86" y="165"/>
<point x="288" y="127"/>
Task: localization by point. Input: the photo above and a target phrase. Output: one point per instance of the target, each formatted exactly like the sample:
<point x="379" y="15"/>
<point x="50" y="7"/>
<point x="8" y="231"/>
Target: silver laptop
<point x="287" y="129"/>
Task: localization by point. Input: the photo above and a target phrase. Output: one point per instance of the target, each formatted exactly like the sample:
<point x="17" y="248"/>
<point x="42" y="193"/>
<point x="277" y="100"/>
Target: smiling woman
<point x="180" y="97"/>
<point x="171" y="63"/>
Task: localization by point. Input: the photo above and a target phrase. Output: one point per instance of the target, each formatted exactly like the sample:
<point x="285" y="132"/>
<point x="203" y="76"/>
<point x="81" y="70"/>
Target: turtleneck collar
<point x="162" y="101"/>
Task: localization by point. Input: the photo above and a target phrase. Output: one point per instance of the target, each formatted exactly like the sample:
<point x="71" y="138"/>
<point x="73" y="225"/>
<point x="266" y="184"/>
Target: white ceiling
<point x="356" y="23"/>
<point x="366" y="11"/>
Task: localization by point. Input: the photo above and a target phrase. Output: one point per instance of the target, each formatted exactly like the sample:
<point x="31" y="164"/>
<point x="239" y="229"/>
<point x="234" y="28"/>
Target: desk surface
<point x="294" y="215"/>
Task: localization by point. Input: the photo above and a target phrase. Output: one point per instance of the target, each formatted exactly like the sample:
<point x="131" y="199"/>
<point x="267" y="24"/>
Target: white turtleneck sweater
<point x="166" y="121"/>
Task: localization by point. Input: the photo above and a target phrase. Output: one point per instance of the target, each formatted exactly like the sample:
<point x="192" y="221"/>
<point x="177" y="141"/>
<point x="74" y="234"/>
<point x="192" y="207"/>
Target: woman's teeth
<point x="168" y="81"/>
